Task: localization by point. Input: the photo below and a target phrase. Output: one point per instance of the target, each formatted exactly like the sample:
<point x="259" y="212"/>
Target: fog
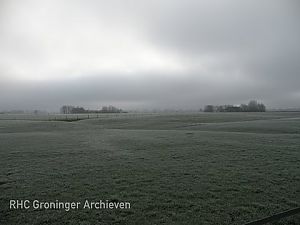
<point x="166" y="54"/>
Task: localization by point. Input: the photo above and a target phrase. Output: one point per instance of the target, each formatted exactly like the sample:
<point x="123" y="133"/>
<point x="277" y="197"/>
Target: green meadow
<point x="174" y="168"/>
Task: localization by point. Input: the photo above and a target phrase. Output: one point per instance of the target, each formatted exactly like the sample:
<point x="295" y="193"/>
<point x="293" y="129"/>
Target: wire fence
<point x="275" y="217"/>
<point x="67" y="117"/>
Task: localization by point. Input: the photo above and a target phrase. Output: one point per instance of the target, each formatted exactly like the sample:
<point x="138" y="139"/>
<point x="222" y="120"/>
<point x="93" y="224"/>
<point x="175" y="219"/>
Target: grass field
<point x="177" y="168"/>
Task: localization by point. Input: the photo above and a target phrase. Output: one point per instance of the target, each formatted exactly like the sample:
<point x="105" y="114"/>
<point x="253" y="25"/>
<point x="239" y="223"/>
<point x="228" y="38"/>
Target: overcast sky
<point x="138" y="54"/>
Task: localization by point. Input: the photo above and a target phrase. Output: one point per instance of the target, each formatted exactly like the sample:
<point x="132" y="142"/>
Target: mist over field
<point x="167" y="54"/>
<point x="149" y="112"/>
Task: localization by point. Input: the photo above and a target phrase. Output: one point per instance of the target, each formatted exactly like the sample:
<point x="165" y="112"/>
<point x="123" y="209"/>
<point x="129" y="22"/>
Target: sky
<point x="148" y="54"/>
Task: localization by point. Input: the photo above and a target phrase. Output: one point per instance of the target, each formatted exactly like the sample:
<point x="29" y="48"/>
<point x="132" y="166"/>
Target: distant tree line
<point x="69" y="109"/>
<point x="253" y="106"/>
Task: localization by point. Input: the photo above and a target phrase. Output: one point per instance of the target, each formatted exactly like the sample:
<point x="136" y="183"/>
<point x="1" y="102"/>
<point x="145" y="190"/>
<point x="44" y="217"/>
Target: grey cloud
<point x="231" y="51"/>
<point x="191" y="93"/>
